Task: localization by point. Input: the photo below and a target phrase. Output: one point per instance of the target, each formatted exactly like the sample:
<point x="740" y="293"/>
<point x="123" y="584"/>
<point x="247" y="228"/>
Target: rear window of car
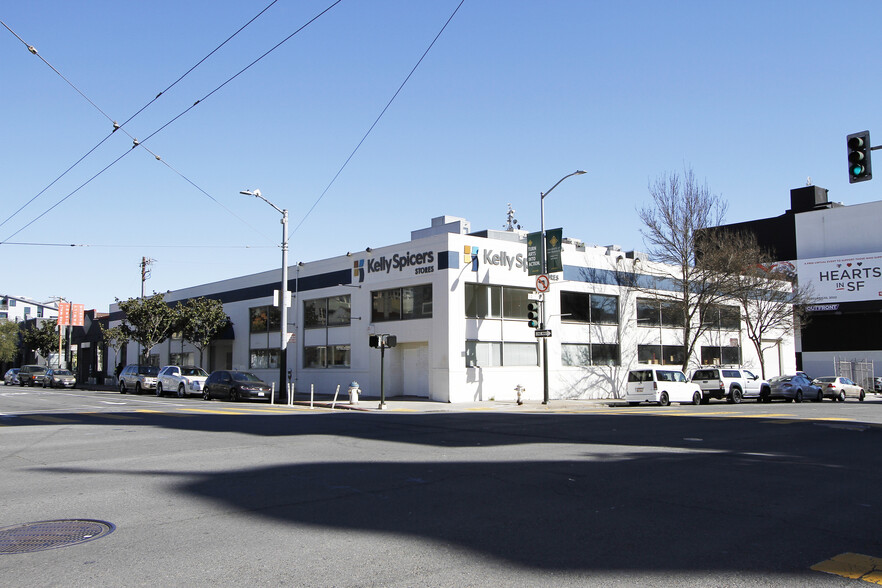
<point x="148" y="370"/>
<point x="705" y="375"/>
<point x="826" y="379"/>
<point x="640" y="376"/>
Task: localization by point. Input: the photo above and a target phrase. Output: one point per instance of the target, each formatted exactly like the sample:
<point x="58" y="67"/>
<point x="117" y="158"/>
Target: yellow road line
<point x="854" y="566"/>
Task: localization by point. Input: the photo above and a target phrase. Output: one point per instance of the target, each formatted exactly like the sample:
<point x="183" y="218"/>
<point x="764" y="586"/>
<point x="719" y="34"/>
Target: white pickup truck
<point x="733" y="384"/>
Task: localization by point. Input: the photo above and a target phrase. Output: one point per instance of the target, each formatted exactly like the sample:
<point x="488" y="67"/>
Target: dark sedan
<point x="234" y="385"/>
<point x="794" y="388"/>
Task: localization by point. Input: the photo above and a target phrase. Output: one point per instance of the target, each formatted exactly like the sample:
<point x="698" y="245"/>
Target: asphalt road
<point x="229" y="494"/>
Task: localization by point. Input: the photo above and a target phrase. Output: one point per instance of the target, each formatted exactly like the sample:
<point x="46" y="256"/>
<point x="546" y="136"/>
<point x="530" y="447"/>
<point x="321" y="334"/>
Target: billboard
<point x="842" y="278"/>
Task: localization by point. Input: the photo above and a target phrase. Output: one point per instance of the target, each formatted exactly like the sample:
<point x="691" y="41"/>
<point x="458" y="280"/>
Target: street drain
<point x="42" y="535"/>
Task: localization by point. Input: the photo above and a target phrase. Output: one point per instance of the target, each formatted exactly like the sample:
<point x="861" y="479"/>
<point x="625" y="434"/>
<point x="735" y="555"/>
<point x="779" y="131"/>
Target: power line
<point x="116" y="126"/>
<point x="117" y="246"/>
<point x="351" y="155"/>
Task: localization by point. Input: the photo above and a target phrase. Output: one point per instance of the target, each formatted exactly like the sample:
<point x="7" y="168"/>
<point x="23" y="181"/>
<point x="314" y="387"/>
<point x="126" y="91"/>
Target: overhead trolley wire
<point x="116" y="126"/>
<point x="388" y="104"/>
<point x="137" y="143"/>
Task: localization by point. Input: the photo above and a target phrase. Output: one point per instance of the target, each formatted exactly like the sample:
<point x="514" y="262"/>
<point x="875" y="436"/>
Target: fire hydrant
<point x="520" y="390"/>
<point x="353" y="392"/>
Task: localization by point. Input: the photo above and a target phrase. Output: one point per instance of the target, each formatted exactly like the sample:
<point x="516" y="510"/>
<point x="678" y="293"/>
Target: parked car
<point x="31" y="375"/>
<point x="184" y="380"/>
<point x="137" y="378"/>
<point x="235" y="385"/>
<point x="10" y="378"/>
<point x="58" y="378"/>
<point x="733" y="384"/>
<point x="839" y="388"/>
<point x="877" y="384"/>
<point x="662" y="386"/>
<point x="794" y="388"/>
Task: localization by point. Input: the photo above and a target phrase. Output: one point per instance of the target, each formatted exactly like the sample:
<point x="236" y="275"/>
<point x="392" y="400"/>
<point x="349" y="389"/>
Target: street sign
<point x="542" y="283"/>
<point x="542" y="332"/>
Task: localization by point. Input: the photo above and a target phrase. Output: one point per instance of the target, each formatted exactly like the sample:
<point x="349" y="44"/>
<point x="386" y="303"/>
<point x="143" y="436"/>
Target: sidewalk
<point x="419" y="404"/>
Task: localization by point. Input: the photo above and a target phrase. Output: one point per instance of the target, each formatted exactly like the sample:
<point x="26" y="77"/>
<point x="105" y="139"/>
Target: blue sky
<point x="754" y="96"/>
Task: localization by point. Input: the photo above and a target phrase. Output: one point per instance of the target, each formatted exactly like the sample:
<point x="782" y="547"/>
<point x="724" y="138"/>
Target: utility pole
<point x="146" y="262"/>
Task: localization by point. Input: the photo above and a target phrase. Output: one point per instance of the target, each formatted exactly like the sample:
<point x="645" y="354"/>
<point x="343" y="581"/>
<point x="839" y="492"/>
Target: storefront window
<point x="483" y="301"/>
<point x="582" y="307"/>
<point x="584" y="354"/>
<point x="265" y="319"/>
<point x="721" y="355"/>
<point x="412" y="302"/>
<point x="264" y="359"/>
<point x="334" y="311"/>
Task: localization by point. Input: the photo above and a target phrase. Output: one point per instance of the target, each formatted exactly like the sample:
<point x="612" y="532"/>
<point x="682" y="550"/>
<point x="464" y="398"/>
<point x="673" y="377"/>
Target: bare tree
<point x="771" y="300"/>
<point x="681" y="207"/>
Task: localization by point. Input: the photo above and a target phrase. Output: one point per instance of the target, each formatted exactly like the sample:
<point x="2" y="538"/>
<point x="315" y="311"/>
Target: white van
<point x="663" y="386"/>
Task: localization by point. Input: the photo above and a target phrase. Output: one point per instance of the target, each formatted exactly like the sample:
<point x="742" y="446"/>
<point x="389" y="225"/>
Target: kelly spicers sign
<point x="851" y="278"/>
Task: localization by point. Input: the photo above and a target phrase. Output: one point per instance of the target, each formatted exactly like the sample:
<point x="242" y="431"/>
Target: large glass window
<point x="412" y="302"/>
<point x="326" y="356"/>
<point x="660" y="354"/>
<point x="483" y="301"/>
<point x="495" y="353"/>
<point x="327" y="312"/>
<point x="653" y="313"/>
<point x="721" y="355"/>
<point x="727" y="318"/>
<point x="584" y="354"/>
<point x="514" y="302"/>
<point x="265" y="319"/>
<point x="264" y="359"/>
<point x="582" y="307"/>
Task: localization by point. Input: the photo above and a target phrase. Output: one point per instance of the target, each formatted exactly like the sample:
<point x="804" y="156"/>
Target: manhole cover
<point x="42" y="535"/>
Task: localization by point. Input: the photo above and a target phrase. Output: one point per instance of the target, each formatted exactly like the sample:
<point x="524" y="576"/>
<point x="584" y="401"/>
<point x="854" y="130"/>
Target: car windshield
<point x="245" y="377"/>
<point x="62" y="373"/>
<point x="780" y="379"/>
<point x="193" y="372"/>
<point x="148" y="370"/>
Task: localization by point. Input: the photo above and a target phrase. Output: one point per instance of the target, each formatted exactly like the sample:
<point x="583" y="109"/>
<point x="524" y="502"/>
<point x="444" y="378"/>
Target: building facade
<point x="19" y="308"/>
<point x="457" y="303"/>
<point x="836" y="251"/>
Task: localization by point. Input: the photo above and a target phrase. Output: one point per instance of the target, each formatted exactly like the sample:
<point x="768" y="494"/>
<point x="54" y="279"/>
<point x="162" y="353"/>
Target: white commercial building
<point x="457" y="303"/>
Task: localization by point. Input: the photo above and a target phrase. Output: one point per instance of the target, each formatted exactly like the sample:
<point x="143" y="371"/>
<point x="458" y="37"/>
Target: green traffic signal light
<point x="859" y="169"/>
<point x="533" y="314"/>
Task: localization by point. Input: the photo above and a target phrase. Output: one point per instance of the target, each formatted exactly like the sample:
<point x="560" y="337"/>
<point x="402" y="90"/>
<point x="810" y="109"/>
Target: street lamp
<point x="542" y="196"/>
<point x="283" y="296"/>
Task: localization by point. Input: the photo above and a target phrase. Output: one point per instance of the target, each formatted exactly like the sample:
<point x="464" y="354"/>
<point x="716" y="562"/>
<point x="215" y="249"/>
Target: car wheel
<point x="820" y="397"/>
<point x="206" y="395"/>
<point x="44" y="382"/>
<point x="696" y="398"/>
<point x="137" y="387"/>
<point x="841" y="396"/>
<point x="663" y="399"/>
<point x="735" y="397"/>
<point x="181" y="391"/>
<point x="234" y="395"/>
<point x="798" y="396"/>
<point x="158" y="389"/>
<point x="122" y="387"/>
<point x="861" y="397"/>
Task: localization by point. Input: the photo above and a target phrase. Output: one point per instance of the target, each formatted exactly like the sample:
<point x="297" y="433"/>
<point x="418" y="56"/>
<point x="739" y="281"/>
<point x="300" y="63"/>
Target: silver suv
<point x="730" y="383"/>
<point x="137" y="378"/>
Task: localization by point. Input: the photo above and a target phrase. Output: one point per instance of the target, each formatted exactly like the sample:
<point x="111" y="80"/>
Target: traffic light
<point x="859" y="168"/>
<point x="533" y="314"/>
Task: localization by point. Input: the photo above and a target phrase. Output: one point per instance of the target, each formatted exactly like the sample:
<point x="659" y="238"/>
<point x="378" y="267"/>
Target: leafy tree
<point x="9" y="337"/>
<point x="148" y="321"/>
<point x="681" y="207"/>
<point x="200" y="320"/>
<point x="42" y="338"/>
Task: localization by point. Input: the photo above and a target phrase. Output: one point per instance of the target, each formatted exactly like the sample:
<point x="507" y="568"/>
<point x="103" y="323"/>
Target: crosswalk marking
<point x="854" y="566"/>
